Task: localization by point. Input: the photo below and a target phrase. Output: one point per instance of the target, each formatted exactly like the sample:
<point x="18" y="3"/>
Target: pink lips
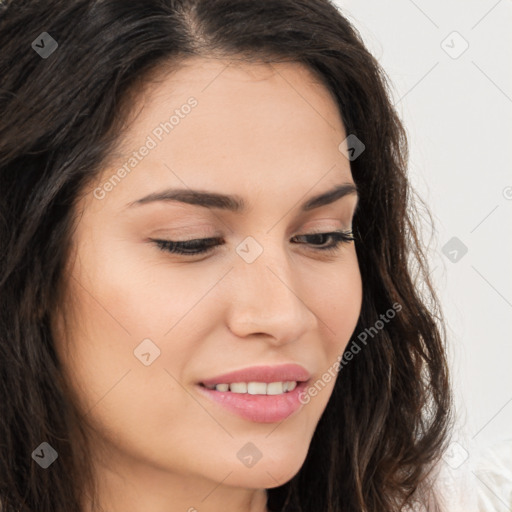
<point x="260" y="408"/>
<point x="267" y="374"/>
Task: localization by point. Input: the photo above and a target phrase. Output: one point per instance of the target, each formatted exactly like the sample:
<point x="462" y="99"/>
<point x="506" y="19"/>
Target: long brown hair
<point x="62" y="115"/>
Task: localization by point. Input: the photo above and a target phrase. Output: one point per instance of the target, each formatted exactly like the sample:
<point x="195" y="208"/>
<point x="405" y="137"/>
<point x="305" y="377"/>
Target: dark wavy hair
<point x="387" y="422"/>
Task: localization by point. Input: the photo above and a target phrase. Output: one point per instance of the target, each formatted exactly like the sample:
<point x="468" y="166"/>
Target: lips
<point x="258" y="408"/>
<point x="277" y="373"/>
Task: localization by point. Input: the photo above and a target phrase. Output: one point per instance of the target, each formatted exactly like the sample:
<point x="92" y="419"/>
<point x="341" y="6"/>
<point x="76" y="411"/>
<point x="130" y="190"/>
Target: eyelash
<point x="203" y="245"/>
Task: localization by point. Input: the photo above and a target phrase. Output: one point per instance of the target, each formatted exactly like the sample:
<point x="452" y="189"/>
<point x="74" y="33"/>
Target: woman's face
<point x="148" y="326"/>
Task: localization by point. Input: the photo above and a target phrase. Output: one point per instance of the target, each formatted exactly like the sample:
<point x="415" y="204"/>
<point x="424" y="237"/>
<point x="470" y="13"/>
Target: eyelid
<point x="187" y="233"/>
<point x="203" y="233"/>
<point x="323" y="229"/>
<point x="183" y="238"/>
<point x="339" y="220"/>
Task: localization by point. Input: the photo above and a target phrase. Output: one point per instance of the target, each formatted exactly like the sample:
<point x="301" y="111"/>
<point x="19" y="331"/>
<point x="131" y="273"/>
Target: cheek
<point x="123" y="296"/>
<point x="130" y="405"/>
<point x="336" y="298"/>
<point x="344" y="304"/>
<point x="135" y="291"/>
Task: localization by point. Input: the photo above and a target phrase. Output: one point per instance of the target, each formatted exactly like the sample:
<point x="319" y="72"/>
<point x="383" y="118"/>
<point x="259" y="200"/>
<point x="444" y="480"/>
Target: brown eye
<point x="318" y="239"/>
<point x="190" y="247"/>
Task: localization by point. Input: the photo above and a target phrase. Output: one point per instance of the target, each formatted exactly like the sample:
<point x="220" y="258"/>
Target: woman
<point x="208" y="269"/>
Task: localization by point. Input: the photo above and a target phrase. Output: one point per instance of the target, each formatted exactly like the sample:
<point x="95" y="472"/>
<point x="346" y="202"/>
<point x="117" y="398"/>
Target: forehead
<point x="252" y="125"/>
<point x="237" y="96"/>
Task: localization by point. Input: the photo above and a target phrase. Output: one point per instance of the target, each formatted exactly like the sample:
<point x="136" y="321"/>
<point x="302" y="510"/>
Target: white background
<point x="458" y="116"/>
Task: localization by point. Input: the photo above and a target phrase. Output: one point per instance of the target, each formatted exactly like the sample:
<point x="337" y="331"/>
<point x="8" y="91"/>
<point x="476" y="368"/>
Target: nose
<point x="267" y="298"/>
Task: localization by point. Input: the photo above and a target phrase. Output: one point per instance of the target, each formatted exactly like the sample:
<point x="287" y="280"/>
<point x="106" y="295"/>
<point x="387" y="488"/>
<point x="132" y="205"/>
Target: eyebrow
<point x="236" y="203"/>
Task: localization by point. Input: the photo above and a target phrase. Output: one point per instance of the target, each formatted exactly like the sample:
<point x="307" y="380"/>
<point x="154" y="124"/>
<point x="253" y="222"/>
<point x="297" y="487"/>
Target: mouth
<point x="260" y="402"/>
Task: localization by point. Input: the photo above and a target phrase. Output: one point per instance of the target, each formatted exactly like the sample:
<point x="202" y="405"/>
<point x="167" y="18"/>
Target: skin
<point x="269" y="134"/>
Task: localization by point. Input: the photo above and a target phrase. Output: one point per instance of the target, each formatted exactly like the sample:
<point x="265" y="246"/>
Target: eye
<point x="196" y="246"/>
<point x="203" y="245"/>
<point x="337" y="238"/>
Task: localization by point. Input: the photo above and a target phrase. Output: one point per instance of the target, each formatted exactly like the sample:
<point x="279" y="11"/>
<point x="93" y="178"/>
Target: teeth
<point x="238" y="387"/>
<point x="257" y="388"/>
<point x="291" y="385"/>
<point x="276" y="388"/>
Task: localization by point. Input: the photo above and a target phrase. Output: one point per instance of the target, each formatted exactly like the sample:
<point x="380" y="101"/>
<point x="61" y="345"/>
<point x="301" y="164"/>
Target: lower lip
<point x="259" y="408"/>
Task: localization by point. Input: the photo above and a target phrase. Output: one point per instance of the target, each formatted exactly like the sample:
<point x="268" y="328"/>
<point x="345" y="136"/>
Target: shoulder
<point x="474" y="478"/>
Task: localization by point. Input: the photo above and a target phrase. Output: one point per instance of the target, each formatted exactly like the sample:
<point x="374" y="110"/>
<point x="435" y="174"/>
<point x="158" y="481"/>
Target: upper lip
<point x="277" y="373"/>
